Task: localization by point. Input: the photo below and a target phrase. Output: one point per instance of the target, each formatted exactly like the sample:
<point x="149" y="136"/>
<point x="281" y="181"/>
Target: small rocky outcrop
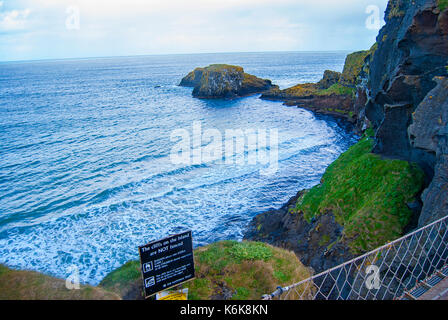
<point x="330" y="78"/>
<point x="335" y="100"/>
<point x="335" y="94"/>
<point x="224" y="81"/>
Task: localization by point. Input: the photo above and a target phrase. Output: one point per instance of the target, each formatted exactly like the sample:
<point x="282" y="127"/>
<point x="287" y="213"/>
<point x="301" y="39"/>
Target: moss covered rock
<point x="29" y="285"/>
<point x="330" y="78"/>
<point x="224" y="81"/>
<point x="226" y="270"/>
<point x="368" y="196"/>
<point x="352" y="68"/>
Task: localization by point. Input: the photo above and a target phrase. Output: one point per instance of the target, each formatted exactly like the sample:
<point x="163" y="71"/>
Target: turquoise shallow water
<point x="85" y="170"/>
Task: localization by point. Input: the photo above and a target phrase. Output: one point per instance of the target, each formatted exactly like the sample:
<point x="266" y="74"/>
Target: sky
<point x="57" y="29"/>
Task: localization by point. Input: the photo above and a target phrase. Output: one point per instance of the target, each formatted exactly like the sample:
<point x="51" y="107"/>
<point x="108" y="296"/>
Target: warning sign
<point x="167" y="263"/>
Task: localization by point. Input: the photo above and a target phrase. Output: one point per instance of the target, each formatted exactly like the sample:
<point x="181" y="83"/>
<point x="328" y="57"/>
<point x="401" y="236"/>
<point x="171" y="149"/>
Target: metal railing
<point x="382" y="274"/>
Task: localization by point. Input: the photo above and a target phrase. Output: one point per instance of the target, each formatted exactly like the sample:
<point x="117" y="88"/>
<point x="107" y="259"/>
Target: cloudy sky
<point x="47" y="29"/>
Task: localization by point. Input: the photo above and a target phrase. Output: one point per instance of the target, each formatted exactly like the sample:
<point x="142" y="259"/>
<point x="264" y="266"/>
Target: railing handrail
<point x="280" y="290"/>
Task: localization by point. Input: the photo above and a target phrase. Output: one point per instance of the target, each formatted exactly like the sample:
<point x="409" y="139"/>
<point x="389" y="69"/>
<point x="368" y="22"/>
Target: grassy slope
<point x="367" y="195"/>
<point x="247" y="269"/>
<point x="443" y="4"/>
<point x="28" y="285"/>
<point x="122" y="279"/>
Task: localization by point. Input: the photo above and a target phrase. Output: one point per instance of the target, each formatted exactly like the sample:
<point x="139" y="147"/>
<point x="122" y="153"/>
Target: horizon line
<point x="168" y="54"/>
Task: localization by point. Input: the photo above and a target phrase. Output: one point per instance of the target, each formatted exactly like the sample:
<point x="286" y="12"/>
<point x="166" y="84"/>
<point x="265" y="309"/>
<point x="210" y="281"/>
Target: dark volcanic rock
<point x="412" y="50"/>
<point x="330" y="78"/>
<point x="402" y="91"/>
<point x="193" y="78"/>
<point x="316" y="243"/>
<point x="429" y="132"/>
<point x="224" y="81"/>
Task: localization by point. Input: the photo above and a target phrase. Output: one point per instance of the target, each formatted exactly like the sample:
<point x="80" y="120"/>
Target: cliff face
<point x="402" y="94"/>
<point x="224" y="81"/>
<point x="429" y="132"/>
<point x="335" y="94"/>
<point x="412" y="51"/>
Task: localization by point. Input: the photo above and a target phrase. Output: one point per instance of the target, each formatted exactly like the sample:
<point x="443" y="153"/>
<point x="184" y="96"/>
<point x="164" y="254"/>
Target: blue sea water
<point x="85" y="170"/>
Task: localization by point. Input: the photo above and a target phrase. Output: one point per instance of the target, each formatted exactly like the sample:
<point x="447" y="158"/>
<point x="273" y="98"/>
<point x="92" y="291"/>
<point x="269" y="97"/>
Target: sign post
<point x="167" y="263"/>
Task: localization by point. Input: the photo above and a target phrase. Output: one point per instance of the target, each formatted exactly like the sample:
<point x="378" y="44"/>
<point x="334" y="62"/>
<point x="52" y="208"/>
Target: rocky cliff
<point x="335" y="94"/>
<point x="401" y="102"/>
<point x="224" y="81"/>
<point x="429" y="132"/>
<point x="412" y="51"/>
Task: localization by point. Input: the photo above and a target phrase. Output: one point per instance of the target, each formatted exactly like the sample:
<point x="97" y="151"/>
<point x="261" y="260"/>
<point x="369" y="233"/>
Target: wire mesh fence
<point x="382" y="274"/>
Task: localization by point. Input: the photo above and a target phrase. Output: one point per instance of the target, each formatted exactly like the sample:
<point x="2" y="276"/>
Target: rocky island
<point x="224" y="81"/>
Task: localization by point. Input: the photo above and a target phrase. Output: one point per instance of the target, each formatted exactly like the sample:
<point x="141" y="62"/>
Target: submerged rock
<point x="224" y="81"/>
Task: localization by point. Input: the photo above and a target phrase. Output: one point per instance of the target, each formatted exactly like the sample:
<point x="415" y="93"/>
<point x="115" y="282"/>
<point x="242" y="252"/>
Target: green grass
<point x="324" y="240"/>
<point x="352" y="67"/>
<point x="338" y="89"/>
<point x="29" y="285"/>
<point x="119" y="279"/>
<point x="443" y="4"/>
<point x="247" y="269"/>
<point x="250" y="251"/>
<point x="367" y="195"/>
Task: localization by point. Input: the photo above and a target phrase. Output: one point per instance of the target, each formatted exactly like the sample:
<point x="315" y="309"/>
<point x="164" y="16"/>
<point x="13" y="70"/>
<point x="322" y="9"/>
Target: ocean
<point x="85" y="169"/>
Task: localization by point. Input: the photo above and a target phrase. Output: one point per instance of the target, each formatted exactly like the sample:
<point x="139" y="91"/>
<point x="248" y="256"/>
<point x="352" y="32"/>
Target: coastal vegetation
<point x="368" y="196"/>
<point x="352" y="68"/>
<point x="334" y="94"/>
<point x="241" y="271"/>
<point x="224" y="270"/>
<point x="29" y="285"/>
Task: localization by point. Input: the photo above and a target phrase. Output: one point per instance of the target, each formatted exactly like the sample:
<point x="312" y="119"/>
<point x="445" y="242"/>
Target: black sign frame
<point x="167" y="263"/>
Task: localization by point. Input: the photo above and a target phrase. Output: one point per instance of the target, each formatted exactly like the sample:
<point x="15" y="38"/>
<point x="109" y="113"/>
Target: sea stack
<point x="222" y="81"/>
